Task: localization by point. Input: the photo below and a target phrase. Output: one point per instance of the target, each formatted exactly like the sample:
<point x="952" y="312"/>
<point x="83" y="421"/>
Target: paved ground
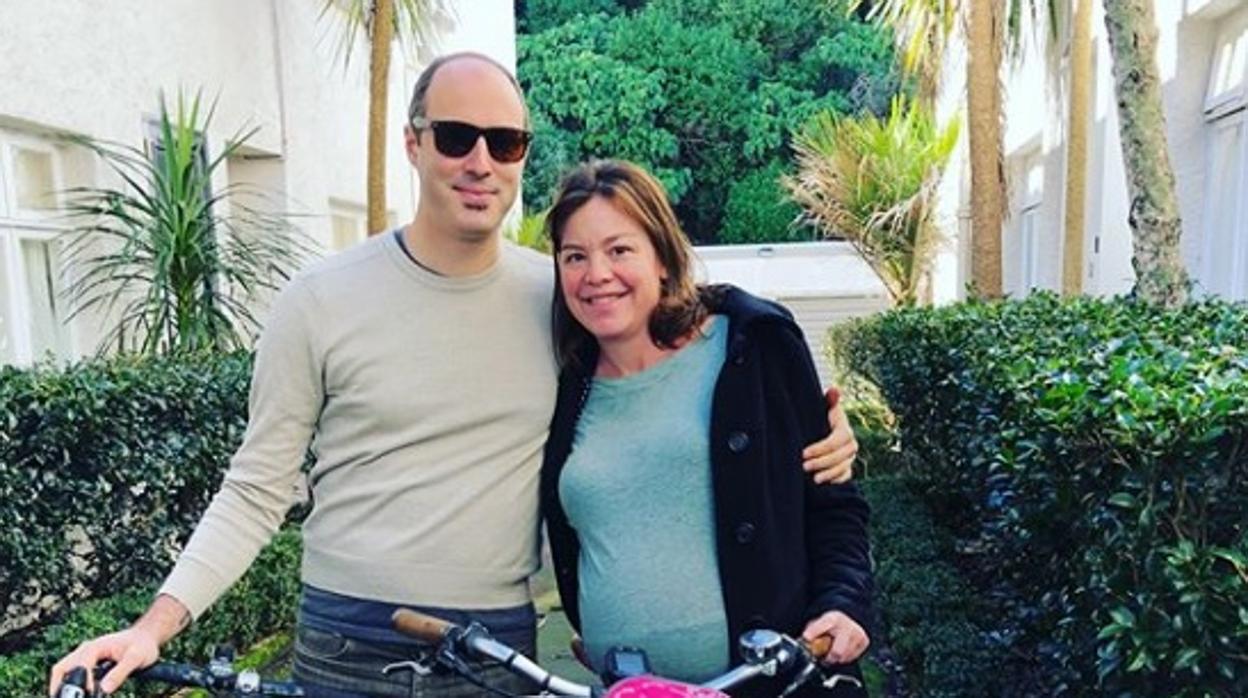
<point x="554" y="632"/>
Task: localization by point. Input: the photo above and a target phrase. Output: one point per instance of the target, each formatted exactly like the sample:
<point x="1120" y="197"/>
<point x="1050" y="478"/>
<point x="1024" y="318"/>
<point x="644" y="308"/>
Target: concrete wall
<point x="822" y="283"/>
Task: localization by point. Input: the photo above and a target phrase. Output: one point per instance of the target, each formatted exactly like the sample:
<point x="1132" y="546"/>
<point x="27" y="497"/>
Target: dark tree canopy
<point x="704" y="93"/>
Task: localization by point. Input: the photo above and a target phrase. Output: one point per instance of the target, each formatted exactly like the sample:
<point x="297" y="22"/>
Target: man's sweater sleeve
<point x="287" y="392"/>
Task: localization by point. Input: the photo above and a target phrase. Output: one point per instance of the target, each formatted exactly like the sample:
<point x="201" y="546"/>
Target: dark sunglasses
<point x="455" y="139"/>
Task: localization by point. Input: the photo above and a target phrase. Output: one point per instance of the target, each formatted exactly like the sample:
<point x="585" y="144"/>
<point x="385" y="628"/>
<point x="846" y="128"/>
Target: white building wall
<point x="96" y="69"/>
<point x="1036" y="121"/>
<point x="1035" y="167"/>
<point x="1107" y="237"/>
<point x="951" y="268"/>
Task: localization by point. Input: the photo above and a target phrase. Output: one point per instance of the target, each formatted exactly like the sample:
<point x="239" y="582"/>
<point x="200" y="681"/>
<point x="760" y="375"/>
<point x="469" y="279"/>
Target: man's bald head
<point x="418" y="107"/>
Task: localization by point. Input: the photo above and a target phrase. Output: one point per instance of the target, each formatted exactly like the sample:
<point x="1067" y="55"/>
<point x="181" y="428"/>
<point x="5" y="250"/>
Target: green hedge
<point x="933" y="624"/>
<point x="1092" y="456"/>
<point x="104" y="469"/>
<point x="261" y="603"/>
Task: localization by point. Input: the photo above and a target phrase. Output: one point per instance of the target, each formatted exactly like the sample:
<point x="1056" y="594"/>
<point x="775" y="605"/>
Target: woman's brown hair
<point x="683" y="305"/>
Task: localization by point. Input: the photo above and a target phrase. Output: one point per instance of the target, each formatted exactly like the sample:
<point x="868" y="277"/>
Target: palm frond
<point x="872" y="181"/>
<point x="412" y="25"/>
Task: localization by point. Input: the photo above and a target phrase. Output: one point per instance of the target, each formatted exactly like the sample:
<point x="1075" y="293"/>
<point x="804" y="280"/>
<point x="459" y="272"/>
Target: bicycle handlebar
<point x="214" y="678"/>
<point x="477" y="640"/>
<point x="766" y="653"/>
<point x="423" y="627"/>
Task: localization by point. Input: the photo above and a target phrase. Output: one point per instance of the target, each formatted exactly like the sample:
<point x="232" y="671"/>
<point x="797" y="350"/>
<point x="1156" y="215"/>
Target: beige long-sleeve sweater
<point x="426" y="402"/>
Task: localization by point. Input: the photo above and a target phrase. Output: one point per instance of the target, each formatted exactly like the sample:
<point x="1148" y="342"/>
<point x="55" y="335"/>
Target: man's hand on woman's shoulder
<point x="831" y="460"/>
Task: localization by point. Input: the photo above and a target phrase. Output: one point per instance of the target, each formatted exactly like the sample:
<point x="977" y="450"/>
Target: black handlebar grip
<point x="421" y="626"/>
<point x="176" y="674"/>
<point x="74" y="685"/>
<point x="286" y="689"/>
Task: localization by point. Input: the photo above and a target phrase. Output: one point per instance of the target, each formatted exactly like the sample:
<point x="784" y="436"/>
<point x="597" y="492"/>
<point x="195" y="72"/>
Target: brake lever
<point x="800" y="680"/>
<point x="811" y="665"/>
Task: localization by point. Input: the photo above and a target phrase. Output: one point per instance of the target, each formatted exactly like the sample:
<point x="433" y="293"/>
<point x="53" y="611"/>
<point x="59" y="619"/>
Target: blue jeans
<point x="329" y="665"/>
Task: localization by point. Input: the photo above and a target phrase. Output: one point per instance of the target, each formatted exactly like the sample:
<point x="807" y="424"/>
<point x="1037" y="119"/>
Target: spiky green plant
<point x="531" y="232"/>
<point x="161" y="260"/>
<point x="873" y="182"/>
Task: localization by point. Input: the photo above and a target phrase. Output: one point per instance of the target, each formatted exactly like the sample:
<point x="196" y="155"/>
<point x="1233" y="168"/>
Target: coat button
<point x="738" y="441"/>
<point x="745" y="532"/>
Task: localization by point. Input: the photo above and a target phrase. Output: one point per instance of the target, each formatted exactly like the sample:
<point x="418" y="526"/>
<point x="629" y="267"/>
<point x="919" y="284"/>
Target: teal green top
<point x="637" y="489"/>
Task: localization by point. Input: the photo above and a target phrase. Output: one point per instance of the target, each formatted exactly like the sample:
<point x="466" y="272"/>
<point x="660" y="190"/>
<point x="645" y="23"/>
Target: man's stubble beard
<point x="478" y="237"/>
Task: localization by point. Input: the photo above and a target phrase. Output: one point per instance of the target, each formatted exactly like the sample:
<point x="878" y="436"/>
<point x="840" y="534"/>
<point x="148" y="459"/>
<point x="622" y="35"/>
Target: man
<point x="418" y="366"/>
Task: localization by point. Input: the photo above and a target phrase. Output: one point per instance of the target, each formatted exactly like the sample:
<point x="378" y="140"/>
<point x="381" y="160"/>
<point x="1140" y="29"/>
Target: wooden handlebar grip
<point x="420" y="626"/>
<point x="819" y="646"/>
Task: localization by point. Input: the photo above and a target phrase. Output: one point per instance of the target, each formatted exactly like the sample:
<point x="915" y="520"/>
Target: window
<point x="48" y="331"/>
<point x="348" y="223"/>
<point x="156" y="151"/>
<point x="32" y="312"/>
<point x="1229" y="76"/>
<point x="1224" y="266"/>
<point x="34" y="181"/>
<point x="1028" y="201"/>
<point x="1029" y="242"/>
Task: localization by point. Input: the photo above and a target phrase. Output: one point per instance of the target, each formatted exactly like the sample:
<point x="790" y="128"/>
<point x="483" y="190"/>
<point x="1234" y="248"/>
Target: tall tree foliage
<point x="705" y="93"/>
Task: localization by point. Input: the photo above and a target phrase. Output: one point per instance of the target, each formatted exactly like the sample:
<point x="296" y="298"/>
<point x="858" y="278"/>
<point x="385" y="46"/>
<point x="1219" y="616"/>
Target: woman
<point x="678" y="512"/>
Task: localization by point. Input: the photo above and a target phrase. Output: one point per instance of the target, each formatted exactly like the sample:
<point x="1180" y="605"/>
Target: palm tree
<point x="1131" y="29"/>
<point x="923" y="29"/>
<point x="159" y="259"/>
<point x="1078" y="91"/>
<point x="873" y="182"/>
<point x="379" y="22"/>
<point x="985" y="42"/>
<point x="1077" y="148"/>
<point x="1154" y="216"/>
<point x="530" y="232"/>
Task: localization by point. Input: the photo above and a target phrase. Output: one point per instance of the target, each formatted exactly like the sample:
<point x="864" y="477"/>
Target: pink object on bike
<point x="650" y="687"/>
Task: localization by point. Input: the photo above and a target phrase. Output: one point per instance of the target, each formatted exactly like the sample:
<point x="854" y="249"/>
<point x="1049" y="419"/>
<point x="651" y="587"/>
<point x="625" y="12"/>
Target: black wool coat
<point x="788" y="549"/>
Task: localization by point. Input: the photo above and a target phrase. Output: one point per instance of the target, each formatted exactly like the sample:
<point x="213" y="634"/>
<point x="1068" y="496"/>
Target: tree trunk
<point x="378" y="96"/>
<point x="984" y="46"/>
<point x="1077" y="149"/>
<point x="1154" y="218"/>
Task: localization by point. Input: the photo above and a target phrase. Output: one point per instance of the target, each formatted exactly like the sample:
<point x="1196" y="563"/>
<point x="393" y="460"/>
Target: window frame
<point x="1213" y="243"/>
<point x="1227" y="108"/>
<point x="346" y="210"/>
<point x="1029" y="245"/>
<point x="18" y="225"/>
<point x="1232" y="38"/>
